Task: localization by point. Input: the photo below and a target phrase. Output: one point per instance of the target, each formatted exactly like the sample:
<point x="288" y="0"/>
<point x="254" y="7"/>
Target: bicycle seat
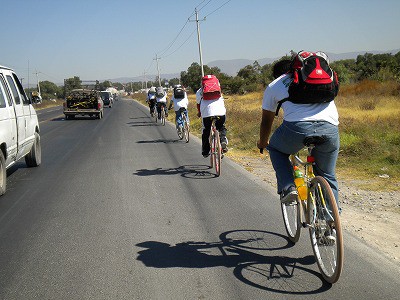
<point x="314" y="140"/>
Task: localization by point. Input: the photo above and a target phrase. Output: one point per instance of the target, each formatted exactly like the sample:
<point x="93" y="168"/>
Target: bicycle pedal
<point x="305" y="225"/>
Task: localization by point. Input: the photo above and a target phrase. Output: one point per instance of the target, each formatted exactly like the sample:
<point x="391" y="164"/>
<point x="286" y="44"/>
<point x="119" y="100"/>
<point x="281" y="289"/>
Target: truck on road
<point x="19" y="126"/>
<point x="83" y="102"/>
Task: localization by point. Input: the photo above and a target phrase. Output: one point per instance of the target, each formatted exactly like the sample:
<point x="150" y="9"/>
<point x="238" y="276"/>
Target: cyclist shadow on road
<point x="164" y="141"/>
<point x="248" y="253"/>
<point x="145" y="122"/>
<point x="187" y="171"/>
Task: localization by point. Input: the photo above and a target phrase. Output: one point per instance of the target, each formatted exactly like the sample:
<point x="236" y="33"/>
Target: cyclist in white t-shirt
<point x="299" y="121"/>
<point x="179" y="103"/>
<point x="151" y="99"/>
<point x="161" y="101"/>
<point x="207" y="109"/>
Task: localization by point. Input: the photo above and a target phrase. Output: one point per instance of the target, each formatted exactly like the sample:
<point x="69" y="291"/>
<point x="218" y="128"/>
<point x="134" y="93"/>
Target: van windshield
<point x="105" y="95"/>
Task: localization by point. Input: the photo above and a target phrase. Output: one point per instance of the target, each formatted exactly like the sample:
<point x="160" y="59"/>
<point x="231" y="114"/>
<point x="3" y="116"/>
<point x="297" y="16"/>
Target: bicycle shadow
<point x="142" y="123"/>
<point x="246" y="252"/>
<point x="187" y="171"/>
<point x="164" y="141"/>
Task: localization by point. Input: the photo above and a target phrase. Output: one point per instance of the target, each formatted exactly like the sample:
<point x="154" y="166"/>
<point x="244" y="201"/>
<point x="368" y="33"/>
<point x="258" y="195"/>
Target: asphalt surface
<point x="122" y="209"/>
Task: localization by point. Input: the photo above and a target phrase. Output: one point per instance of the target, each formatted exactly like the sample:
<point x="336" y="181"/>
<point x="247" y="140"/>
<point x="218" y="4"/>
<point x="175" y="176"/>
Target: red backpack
<point x="313" y="80"/>
<point x="211" y="87"/>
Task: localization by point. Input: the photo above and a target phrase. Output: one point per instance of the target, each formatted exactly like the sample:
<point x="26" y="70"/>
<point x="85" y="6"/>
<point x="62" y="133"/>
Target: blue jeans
<point x="159" y="104"/>
<point x="288" y="139"/>
<point x="178" y="118"/>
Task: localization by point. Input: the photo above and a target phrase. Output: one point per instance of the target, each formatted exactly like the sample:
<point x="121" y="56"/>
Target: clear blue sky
<point x="97" y="39"/>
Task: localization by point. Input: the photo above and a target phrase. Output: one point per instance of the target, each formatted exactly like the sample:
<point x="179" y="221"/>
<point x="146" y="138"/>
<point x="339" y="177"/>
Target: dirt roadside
<point x="372" y="217"/>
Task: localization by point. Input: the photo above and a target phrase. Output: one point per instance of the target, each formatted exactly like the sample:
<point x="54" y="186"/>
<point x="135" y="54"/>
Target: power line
<point x="180" y="45"/>
<point x="169" y="46"/>
<point x="217" y="8"/>
<point x="173" y="41"/>
<point x="183" y="27"/>
<point x="203" y="5"/>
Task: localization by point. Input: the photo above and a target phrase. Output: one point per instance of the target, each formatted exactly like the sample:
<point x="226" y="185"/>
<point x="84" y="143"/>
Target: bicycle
<point x="185" y="129"/>
<point x="215" y="147"/>
<point x="318" y="212"/>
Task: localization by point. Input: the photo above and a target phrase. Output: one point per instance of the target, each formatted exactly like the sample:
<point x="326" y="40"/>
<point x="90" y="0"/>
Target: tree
<point x="49" y="90"/>
<point x="104" y="85"/>
<point x="192" y="77"/>
<point x="174" y="81"/>
<point x="72" y="83"/>
<point x="346" y="70"/>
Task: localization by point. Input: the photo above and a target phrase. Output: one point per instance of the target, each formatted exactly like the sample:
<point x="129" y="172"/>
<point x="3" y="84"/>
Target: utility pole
<point x="145" y="79"/>
<point x="37" y="78"/>
<point x="198" y="40"/>
<point x="28" y="77"/>
<point x="158" y="69"/>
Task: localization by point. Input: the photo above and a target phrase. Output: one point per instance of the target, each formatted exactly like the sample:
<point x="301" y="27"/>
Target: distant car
<point x="107" y="97"/>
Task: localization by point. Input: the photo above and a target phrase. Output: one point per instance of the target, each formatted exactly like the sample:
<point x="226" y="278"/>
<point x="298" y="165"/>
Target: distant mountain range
<point x="232" y="66"/>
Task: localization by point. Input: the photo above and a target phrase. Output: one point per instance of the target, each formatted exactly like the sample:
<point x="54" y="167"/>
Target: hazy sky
<point x="96" y="39"/>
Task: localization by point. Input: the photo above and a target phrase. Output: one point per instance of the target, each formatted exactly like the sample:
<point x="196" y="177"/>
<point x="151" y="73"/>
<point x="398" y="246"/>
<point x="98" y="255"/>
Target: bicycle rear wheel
<point x="180" y="132"/>
<point x="186" y="128"/>
<point x="325" y="231"/>
<point x="212" y="148"/>
<point x="291" y="219"/>
<point x="162" y="116"/>
<point x="218" y="153"/>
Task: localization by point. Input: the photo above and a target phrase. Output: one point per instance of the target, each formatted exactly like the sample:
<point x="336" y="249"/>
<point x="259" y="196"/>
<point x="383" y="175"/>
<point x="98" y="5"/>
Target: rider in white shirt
<point x="207" y="109"/>
<point x="299" y="121"/>
<point x="151" y="99"/>
<point x="179" y="104"/>
<point x="162" y="101"/>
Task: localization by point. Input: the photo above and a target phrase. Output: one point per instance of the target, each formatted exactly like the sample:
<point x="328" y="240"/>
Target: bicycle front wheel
<point x="325" y="230"/>
<point x="218" y="153"/>
<point x="291" y="219"/>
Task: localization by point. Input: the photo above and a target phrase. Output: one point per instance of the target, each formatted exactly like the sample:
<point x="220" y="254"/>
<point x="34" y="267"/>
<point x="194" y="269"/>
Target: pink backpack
<point x="211" y="87"/>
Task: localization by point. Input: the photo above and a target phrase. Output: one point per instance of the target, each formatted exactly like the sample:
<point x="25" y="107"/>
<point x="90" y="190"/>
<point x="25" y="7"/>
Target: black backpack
<point x="313" y="80"/>
<point x="179" y="93"/>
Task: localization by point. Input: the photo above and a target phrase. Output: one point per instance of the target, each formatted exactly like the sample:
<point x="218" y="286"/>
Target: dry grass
<point x="48" y="103"/>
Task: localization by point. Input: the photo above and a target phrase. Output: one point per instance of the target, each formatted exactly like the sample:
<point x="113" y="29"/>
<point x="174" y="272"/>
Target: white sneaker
<point x="289" y="196"/>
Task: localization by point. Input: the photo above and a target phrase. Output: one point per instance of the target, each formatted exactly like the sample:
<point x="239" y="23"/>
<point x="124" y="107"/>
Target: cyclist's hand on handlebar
<point x="261" y="146"/>
<point x="199" y="114"/>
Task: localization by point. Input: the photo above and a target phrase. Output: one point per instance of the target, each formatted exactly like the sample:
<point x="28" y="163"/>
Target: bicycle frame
<point x="308" y="166"/>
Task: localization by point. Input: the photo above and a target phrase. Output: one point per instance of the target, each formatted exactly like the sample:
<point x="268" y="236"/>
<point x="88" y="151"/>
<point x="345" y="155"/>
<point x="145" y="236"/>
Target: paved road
<point x="121" y="209"/>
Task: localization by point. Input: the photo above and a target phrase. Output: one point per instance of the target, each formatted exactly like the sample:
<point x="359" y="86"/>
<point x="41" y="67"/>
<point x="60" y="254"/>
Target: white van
<point x="19" y="126"/>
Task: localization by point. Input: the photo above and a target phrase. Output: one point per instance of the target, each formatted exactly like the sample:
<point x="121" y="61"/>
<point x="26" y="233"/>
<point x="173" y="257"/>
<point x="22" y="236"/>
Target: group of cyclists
<point x="305" y="88"/>
<point x="157" y="98"/>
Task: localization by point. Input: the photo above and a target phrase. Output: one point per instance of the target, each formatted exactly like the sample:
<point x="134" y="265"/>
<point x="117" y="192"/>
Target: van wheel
<point x="3" y="174"/>
<point x="34" y="157"/>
